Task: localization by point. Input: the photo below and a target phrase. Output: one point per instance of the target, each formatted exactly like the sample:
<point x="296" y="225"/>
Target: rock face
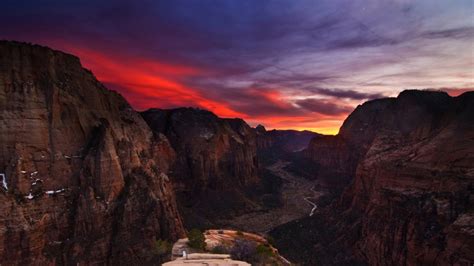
<point x="411" y="202"/>
<point x="335" y="158"/>
<point x="276" y="146"/>
<point x="216" y="161"/>
<point x="285" y="140"/>
<point x="83" y="177"/>
<point x="414" y="187"/>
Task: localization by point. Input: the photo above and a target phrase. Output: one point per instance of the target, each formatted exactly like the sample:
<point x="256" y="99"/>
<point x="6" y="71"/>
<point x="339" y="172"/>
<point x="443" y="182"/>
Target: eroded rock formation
<point x="216" y="162"/>
<point x="84" y="178"/>
<point x="411" y="201"/>
<point x="414" y="187"/>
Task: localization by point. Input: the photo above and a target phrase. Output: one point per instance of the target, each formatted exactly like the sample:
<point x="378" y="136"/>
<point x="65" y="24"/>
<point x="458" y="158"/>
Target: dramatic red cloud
<point x="153" y="84"/>
<point x="272" y="96"/>
<point x="148" y="83"/>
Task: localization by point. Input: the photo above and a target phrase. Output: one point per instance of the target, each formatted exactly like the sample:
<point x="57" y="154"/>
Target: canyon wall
<point x="83" y="177"/>
<point x="285" y="140"/>
<point x="216" y="162"/>
<point x="414" y="187"/>
<point x="412" y="197"/>
<point x="335" y="158"/>
<point x="283" y="145"/>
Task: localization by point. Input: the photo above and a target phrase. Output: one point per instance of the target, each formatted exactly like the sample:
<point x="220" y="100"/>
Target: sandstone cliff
<point x="216" y="162"/>
<point x="411" y="201"/>
<point x="83" y="177"/>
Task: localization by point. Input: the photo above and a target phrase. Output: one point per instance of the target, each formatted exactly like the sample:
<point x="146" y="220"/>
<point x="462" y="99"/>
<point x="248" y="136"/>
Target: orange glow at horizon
<point x="154" y="84"/>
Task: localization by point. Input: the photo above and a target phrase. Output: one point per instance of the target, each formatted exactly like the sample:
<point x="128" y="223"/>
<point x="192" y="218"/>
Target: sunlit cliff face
<point x="284" y="64"/>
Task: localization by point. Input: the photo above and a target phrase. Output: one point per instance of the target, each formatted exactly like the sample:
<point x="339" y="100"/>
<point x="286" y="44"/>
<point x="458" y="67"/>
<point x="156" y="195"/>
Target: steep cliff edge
<point x="215" y="164"/>
<point x="335" y="158"/>
<point x="83" y="177"/>
<point x="411" y="201"/>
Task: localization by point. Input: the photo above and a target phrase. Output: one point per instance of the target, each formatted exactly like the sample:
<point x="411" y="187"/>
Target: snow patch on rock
<point x="4" y="181"/>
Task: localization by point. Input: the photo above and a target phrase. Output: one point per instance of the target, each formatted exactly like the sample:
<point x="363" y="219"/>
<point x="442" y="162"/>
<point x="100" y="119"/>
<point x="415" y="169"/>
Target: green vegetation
<point x="160" y="251"/>
<point x="239" y="233"/>
<point x="162" y="247"/>
<point x="196" y="239"/>
<point x="264" y="251"/>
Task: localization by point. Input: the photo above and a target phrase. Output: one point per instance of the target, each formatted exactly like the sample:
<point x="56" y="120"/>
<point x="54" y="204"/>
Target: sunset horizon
<point x="287" y="65"/>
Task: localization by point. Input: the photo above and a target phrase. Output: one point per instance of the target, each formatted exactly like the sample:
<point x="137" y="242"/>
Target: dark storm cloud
<point x="256" y="101"/>
<point x="237" y="36"/>
<point x="348" y="94"/>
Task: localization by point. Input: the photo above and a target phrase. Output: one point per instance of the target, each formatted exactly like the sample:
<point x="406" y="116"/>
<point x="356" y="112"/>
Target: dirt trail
<point x="299" y="197"/>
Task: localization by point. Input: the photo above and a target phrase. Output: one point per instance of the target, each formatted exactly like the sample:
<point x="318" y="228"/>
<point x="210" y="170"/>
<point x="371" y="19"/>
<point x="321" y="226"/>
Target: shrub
<point x="264" y="251"/>
<point x="162" y="247"/>
<point x="239" y="233"/>
<point x="243" y="250"/>
<point x="196" y="239"/>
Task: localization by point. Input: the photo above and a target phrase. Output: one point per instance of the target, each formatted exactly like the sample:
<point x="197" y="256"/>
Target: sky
<point x="285" y="64"/>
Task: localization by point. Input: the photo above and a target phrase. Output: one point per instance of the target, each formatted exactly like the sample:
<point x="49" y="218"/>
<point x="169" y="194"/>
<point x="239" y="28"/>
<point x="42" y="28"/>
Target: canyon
<point x="411" y="199"/>
<point x="87" y="179"/>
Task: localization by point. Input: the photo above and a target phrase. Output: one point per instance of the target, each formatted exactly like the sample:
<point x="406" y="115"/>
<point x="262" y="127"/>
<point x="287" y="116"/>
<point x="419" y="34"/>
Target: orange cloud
<point x="272" y="96"/>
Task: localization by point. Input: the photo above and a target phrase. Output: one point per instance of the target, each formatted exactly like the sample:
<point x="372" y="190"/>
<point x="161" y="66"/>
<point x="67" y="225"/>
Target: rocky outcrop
<point x="83" y="177"/>
<point x="216" y="161"/>
<point x="411" y="201"/>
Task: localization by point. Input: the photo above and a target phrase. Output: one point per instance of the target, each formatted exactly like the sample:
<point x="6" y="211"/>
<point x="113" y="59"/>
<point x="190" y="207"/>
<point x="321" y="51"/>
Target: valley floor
<point x="299" y="197"/>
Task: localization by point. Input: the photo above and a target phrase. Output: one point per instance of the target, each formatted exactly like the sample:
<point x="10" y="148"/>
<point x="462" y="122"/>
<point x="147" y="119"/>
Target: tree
<point x="196" y="239"/>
